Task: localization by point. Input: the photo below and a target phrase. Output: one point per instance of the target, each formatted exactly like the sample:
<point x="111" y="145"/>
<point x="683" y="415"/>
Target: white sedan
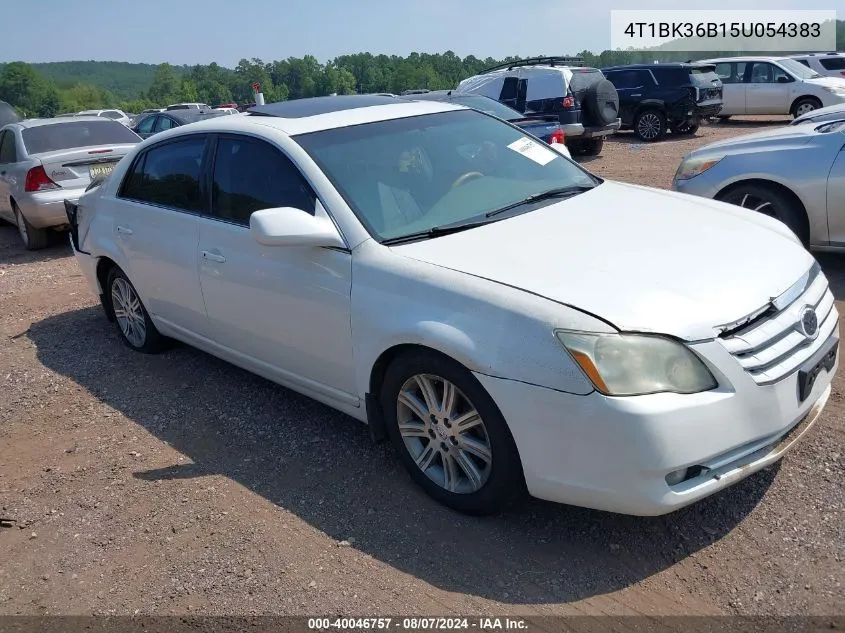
<point x="513" y="323"/>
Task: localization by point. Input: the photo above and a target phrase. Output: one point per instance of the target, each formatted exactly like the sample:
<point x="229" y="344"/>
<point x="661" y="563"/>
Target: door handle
<point x="124" y="230"/>
<point x="213" y="256"/>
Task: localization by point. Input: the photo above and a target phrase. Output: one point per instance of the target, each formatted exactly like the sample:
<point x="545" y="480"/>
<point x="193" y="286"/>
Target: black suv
<point x="654" y="98"/>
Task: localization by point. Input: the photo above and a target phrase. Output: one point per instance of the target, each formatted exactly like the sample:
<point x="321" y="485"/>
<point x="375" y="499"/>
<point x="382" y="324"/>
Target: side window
<point x="250" y="175"/>
<point x="731" y="72"/>
<point x="8" y="154"/>
<point x="168" y="175"/>
<point x="146" y="124"/>
<point x="780" y="76"/>
<point x="806" y="63"/>
<point x="163" y="124"/>
<point x="762" y="73"/>
<point x="510" y="90"/>
<point x="832" y="63"/>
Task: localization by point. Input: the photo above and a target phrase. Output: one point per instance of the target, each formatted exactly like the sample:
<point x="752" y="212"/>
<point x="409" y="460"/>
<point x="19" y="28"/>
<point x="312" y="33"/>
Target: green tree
<point x="166" y="86"/>
<point x="29" y="92"/>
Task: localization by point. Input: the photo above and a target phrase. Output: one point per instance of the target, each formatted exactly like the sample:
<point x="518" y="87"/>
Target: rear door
<point x="8" y="156"/>
<point x="155" y="225"/>
<point x="767" y="89"/>
<point x="732" y="75"/>
<point x="286" y="309"/>
<point x="163" y="123"/>
<point x="630" y="85"/>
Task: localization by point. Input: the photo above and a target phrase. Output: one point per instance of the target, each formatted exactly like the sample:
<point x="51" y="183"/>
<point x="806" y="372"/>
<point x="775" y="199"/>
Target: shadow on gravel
<point x="833" y="265"/>
<point x="12" y="251"/>
<point x="322" y="466"/>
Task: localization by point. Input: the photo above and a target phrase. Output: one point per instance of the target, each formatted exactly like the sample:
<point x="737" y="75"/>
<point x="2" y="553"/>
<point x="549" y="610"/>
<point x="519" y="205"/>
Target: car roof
<point x="189" y="116"/>
<point x="682" y="65"/>
<point x="316" y="117"/>
<point x="753" y="58"/>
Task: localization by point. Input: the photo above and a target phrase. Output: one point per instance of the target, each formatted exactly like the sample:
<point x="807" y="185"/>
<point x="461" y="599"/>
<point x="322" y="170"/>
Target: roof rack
<point x="533" y="61"/>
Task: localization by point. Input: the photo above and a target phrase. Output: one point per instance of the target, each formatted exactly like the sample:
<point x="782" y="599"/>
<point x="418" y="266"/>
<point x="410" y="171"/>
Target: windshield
<point x="798" y="69"/>
<point x="409" y="175"/>
<point x="49" y="138"/>
<point x="490" y="106"/>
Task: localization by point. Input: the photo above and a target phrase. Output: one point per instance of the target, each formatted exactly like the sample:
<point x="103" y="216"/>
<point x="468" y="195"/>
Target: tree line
<point x="45" y="90"/>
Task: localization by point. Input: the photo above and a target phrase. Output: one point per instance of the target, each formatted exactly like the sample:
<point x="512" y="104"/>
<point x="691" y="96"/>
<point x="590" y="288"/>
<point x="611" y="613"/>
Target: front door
<point x="282" y="309"/>
<point x="767" y="89"/>
<point x="155" y="224"/>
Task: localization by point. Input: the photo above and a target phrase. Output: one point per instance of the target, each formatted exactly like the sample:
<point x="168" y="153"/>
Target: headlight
<point x="636" y="364"/>
<point x="694" y="166"/>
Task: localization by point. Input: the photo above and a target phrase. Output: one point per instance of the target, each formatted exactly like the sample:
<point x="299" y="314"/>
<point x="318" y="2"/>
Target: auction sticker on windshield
<point x="533" y="151"/>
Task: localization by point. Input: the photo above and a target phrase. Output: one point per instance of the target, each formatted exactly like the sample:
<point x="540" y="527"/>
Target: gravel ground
<point x="178" y="484"/>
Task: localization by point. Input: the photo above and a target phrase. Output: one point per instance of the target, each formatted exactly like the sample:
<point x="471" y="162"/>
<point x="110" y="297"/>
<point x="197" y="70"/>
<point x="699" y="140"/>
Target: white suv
<point x="774" y="85"/>
<point x="827" y="64"/>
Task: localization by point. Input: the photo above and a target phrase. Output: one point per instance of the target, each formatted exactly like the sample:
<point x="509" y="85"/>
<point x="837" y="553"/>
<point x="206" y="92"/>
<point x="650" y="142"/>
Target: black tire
<point x="153" y="341"/>
<point x="650" y="125"/>
<point x="33" y="239"/>
<point x="600" y="103"/>
<point x="772" y="202"/>
<point x="805" y="105"/>
<point x="723" y="117"/>
<point x="686" y="128"/>
<point x="504" y="485"/>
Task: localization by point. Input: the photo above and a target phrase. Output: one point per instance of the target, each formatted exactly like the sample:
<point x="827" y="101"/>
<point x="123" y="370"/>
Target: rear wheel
<point x="33" y="239"/>
<point x="591" y="146"/>
<point x="772" y="202"/>
<point x="450" y="435"/>
<point x="650" y="125"/>
<point x="687" y="128"/>
<point x="133" y="322"/>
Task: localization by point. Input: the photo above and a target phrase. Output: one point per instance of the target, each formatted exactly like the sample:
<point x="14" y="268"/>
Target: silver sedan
<point x="795" y="174"/>
<point x="43" y="162"/>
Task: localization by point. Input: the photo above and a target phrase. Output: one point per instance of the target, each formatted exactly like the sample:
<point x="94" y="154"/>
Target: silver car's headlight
<point x="636" y="364"/>
<point x="689" y="168"/>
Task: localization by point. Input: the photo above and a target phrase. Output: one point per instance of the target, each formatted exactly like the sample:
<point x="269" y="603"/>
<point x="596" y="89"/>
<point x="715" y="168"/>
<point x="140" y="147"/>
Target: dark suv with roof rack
<point x="654" y="98"/>
<point x="563" y="89"/>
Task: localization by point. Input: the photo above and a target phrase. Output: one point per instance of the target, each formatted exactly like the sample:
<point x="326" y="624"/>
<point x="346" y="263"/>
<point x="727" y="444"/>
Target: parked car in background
<point x="151" y="110"/>
<point x="795" y="174"/>
<point x="509" y="320"/>
<point x="157" y="122"/>
<point x="655" y="98"/>
<point x="546" y="128"/>
<point x="227" y="110"/>
<point x="8" y="114"/>
<point x="227" y="105"/>
<point x="189" y="106"/>
<point x="46" y="161"/>
<point x="774" y="85"/>
<point x="830" y="113"/>
<point x="585" y="103"/>
<point x="828" y="64"/>
<point x="113" y="114"/>
<point x="245" y="106"/>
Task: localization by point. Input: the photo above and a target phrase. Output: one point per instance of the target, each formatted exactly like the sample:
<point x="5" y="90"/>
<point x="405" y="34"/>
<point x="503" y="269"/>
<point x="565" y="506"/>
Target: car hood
<point x="830" y="82"/>
<point x="788" y="134"/>
<point x="642" y="259"/>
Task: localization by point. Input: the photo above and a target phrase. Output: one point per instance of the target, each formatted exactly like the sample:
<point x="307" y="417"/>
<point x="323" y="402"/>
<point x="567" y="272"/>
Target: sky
<point x="225" y="31"/>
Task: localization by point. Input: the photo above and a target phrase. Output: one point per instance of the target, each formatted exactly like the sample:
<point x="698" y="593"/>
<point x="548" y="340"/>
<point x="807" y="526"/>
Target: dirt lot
<point x="180" y="484"/>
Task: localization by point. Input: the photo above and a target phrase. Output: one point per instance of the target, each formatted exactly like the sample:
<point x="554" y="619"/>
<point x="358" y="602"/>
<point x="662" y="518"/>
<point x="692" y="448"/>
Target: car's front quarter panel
<point x="802" y="169"/>
<point x="490" y="328"/>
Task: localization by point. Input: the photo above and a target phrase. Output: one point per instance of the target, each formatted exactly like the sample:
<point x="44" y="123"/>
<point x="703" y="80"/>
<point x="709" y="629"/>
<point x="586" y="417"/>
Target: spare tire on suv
<point x="600" y="103"/>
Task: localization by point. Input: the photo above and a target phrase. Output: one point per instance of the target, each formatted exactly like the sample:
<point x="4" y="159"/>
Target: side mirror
<point x="288" y="226"/>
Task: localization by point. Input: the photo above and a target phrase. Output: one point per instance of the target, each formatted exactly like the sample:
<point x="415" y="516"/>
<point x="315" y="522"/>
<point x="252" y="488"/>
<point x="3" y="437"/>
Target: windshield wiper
<point x="435" y="231"/>
<point x="560" y="192"/>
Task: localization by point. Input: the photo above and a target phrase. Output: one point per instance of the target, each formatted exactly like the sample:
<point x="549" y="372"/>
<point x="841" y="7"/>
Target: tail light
<point x="568" y="102"/>
<point x="38" y="180"/>
<point x="842" y="72"/>
<point x="557" y="137"/>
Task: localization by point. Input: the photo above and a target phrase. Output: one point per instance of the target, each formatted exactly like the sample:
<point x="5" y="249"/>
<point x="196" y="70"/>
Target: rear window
<point x="833" y="63"/>
<point x="58" y="136"/>
<point x="490" y="106"/>
<point x="704" y="76"/>
<point x="583" y="78"/>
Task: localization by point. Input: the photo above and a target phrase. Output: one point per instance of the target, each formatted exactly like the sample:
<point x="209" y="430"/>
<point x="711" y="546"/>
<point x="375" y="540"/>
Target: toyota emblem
<point x="809" y="323"/>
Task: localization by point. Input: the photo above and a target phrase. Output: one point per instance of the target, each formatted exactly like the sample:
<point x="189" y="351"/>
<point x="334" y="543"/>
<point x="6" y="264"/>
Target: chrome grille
<point x="772" y="345"/>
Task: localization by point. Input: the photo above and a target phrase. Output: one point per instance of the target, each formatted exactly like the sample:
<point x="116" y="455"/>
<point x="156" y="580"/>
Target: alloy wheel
<point x="649" y="126"/>
<point x="128" y="312"/>
<point x="804" y="108"/>
<point x="756" y="203"/>
<point x="444" y="433"/>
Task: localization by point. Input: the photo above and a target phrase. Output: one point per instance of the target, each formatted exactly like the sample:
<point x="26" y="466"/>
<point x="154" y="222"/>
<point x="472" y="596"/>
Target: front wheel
<point x="134" y="325"/>
<point x="803" y="106"/>
<point x="450" y="435"/>
<point x="650" y="125"/>
<point x="687" y="128"/>
<point x="771" y="202"/>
